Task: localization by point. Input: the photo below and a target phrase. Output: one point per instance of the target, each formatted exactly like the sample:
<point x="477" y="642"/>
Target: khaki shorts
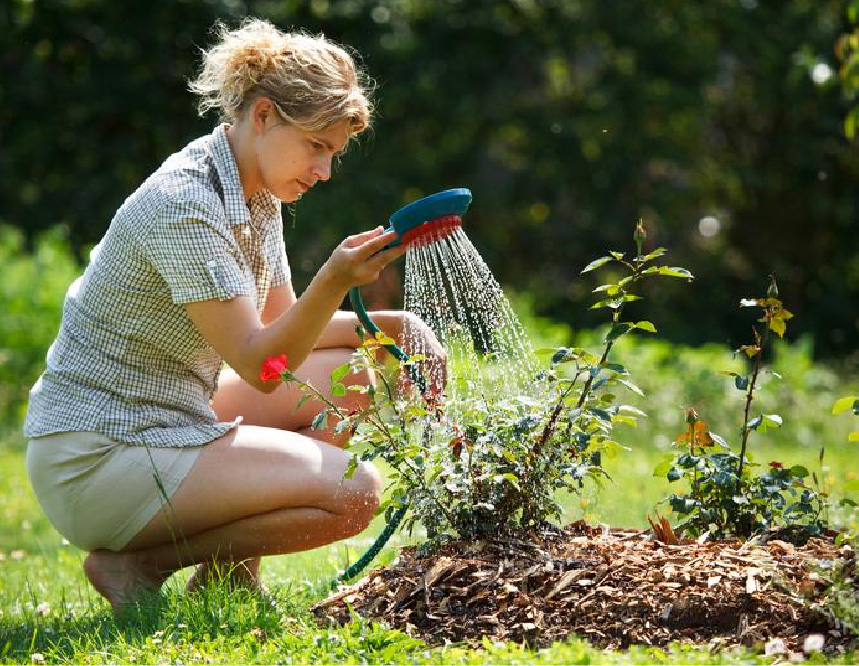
<point x="99" y="493"/>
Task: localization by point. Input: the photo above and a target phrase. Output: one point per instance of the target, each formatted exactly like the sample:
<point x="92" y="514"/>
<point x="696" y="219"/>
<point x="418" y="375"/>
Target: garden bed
<point x="613" y="587"/>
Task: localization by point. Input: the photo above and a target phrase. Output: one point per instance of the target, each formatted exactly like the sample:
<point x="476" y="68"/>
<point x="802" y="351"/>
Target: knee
<point x="363" y="498"/>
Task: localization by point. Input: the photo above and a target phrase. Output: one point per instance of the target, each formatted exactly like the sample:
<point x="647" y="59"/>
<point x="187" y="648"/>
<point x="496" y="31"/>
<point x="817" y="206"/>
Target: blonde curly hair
<point x="312" y="81"/>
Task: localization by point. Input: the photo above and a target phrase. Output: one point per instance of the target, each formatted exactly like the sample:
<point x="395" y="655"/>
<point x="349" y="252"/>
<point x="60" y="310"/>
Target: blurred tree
<point x="719" y="123"/>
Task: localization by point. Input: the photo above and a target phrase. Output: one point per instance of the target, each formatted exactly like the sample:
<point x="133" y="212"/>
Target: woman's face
<point x="291" y="160"/>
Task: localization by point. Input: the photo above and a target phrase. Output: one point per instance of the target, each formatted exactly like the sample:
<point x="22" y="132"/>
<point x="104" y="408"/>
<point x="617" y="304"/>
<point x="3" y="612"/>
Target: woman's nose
<point x="322" y="169"/>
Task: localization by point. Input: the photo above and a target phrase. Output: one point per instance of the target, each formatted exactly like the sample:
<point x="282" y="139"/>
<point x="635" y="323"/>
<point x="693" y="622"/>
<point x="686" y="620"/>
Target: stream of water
<point x="450" y="287"/>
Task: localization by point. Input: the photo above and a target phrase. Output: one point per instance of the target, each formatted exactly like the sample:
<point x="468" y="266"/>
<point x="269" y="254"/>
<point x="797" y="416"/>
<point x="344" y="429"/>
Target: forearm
<point x="298" y="330"/>
<point x="340" y="331"/>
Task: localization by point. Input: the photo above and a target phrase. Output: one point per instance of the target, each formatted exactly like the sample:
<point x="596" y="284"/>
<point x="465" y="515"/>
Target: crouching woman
<point x="142" y="450"/>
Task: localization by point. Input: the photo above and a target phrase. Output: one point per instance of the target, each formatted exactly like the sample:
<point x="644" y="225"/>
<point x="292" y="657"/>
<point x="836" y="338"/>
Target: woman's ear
<point x="263" y="115"/>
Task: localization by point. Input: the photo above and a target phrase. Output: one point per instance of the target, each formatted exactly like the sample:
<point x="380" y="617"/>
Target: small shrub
<point x="727" y="497"/>
<point x="486" y="464"/>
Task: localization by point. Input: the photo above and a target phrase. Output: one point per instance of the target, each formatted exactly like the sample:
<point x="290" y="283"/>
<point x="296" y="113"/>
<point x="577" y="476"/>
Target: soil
<point x="613" y="587"/>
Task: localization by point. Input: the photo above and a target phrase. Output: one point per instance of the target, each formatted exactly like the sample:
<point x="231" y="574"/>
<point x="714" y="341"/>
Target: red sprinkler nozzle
<point x="432" y="231"/>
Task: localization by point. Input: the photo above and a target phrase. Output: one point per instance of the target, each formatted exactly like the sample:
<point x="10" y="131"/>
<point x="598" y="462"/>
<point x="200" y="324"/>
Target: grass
<point x="49" y="614"/>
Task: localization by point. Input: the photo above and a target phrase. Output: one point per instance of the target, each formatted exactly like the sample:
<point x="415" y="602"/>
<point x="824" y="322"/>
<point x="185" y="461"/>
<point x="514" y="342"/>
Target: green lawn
<point x="48" y="613"/>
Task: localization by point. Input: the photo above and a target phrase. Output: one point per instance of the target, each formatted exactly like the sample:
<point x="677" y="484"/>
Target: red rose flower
<point x="272" y="367"/>
<point x="775" y="464"/>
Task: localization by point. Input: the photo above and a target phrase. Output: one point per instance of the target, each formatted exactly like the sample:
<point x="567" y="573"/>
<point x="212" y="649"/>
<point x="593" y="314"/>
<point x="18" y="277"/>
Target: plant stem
<point x="750" y="397"/>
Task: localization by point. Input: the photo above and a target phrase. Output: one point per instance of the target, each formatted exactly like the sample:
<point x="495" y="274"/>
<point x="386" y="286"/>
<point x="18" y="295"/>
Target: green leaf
<point x="845" y="403"/>
<point x="609" y="289"/>
<point x="617" y="255"/>
<point x="302" y="400"/>
<point x="798" y="471"/>
<point x="673" y="474"/>
<point x="721" y="442"/>
<point x="662" y="469"/>
<point x="351" y="467"/>
<point x="342" y="426"/>
<point x="769" y="421"/>
<point x="560" y="355"/>
<point x="618" y="330"/>
<point x="340" y="372"/>
<point x="320" y="421"/>
<point x="645" y="326"/>
<point x="596" y="264"/>
<point x="754" y="423"/>
<point x="628" y="420"/>
<point x="338" y="390"/>
<point x="674" y="271"/>
<point x="658" y="252"/>
<point x="632" y="387"/>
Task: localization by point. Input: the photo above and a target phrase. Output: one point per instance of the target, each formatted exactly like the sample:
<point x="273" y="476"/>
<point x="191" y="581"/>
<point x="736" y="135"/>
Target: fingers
<point x="372" y="245"/>
<point x="382" y="259"/>
<point x="356" y="240"/>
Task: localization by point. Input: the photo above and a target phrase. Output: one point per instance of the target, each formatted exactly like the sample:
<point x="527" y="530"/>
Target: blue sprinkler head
<point x="431" y="218"/>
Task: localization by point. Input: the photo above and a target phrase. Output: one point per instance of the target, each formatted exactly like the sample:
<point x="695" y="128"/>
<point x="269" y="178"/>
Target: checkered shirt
<point x="128" y="362"/>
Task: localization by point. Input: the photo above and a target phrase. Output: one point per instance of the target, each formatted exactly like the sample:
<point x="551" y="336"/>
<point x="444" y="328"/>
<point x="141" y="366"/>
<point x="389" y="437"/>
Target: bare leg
<point x="235" y="397"/>
<point x="256" y="491"/>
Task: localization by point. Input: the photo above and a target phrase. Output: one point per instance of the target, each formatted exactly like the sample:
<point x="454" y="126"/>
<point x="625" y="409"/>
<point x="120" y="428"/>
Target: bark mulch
<point x="613" y="587"/>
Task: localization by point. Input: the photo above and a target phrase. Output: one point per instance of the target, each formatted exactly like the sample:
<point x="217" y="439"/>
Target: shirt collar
<point x="225" y="163"/>
<point x="263" y="205"/>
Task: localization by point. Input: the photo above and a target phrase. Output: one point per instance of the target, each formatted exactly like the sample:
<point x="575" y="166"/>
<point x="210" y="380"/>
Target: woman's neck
<point x="241" y="143"/>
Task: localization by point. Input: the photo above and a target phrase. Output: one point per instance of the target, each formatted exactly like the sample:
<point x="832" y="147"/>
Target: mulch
<point x="613" y="587"/>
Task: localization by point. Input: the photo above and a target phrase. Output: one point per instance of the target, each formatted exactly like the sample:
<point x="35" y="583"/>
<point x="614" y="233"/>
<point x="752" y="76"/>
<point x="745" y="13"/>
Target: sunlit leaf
<point x="645" y="326"/>
<point x="658" y="252"/>
<point x="769" y="421"/>
<point x="845" y="403"/>
<point x="596" y="264"/>
<point x="778" y="327"/>
<point x="675" y="271"/>
<point x="631" y="386"/>
<point x="340" y="372"/>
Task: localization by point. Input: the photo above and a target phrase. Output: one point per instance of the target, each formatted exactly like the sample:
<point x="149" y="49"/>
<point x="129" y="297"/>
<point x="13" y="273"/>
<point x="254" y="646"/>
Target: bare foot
<point x="120" y="577"/>
<point x="240" y="574"/>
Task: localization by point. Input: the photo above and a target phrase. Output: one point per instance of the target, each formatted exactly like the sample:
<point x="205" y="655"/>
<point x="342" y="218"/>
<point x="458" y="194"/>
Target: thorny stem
<point x="692" y="453"/>
<point x="750" y="395"/>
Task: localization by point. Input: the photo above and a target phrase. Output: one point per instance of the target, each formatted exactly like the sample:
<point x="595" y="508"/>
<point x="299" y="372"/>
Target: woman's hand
<point x="424" y="341"/>
<point x="359" y="258"/>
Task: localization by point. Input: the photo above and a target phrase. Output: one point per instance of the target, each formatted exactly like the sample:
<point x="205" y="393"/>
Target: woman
<point x="191" y="273"/>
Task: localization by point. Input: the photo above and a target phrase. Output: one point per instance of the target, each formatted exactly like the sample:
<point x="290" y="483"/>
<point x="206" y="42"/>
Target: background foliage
<point x="568" y="119"/>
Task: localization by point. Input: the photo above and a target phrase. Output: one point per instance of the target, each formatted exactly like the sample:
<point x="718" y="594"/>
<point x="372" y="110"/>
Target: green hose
<point x="396" y="519"/>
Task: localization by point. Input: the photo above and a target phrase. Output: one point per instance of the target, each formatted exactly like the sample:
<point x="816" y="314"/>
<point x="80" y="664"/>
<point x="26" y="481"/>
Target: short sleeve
<point x="280" y="270"/>
<point x="192" y="251"/>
